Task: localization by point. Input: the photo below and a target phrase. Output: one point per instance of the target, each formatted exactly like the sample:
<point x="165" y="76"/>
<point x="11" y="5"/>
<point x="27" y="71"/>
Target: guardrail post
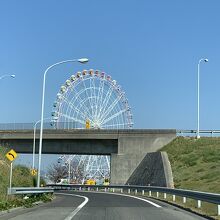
<point x="97" y="189"/>
<point x="150" y="193"/>
<point x="88" y="188"/>
<point x="135" y="192"/>
<point x="142" y="192"/>
<point x="157" y="194"/>
<point x="113" y="190"/>
<point x="80" y="188"/>
<point x="164" y="195"/>
<point x="174" y="198"/>
<point x="129" y="191"/>
<point x="199" y="204"/>
<point x="105" y="189"/>
<point x="184" y="199"/>
<point x="218" y="209"/>
<point x="121" y="190"/>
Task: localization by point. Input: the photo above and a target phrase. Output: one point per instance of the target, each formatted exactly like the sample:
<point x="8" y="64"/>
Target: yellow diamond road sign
<point x="11" y="155"/>
<point x="33" y="172"/>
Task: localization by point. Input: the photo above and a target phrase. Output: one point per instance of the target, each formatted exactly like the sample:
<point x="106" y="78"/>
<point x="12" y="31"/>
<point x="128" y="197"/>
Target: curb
<point x="18" y="208"/>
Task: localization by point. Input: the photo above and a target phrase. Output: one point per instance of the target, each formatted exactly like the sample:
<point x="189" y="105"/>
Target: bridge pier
<point x="134" y="155"/>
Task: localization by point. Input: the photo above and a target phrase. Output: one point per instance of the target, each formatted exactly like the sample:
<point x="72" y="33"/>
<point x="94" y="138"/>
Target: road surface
<point x="98" y="206"/>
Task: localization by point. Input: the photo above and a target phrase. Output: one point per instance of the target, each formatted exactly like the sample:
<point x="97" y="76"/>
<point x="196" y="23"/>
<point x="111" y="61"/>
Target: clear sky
<point x="150" y="47"/>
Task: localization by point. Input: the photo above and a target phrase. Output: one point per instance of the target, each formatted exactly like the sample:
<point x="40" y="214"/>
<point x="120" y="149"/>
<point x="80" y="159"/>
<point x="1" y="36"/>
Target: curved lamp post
<point x="34" y="141"/>
<point x="201" y="60"/>
<point x="82" y="60"/>
<point x="4" y="76"/>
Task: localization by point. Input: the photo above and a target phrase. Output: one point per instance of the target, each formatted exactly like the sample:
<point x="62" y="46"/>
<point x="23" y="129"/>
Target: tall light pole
<point x="82" y="60"/>
<point x="34" y="141"/>
<point x="4" y="76"/>
<point x="201" y="60"/>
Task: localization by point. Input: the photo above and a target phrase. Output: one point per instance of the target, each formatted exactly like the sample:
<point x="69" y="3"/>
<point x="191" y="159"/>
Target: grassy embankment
<point x="195" y="163"/>
<point x="196" y="166"/>
<point x="21" y="177"/>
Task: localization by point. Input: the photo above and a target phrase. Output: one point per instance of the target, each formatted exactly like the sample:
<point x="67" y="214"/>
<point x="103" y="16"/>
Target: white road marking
<point x="135" y="197"/>
<point x="72" y="214"/>
<point x="145" y="200"/>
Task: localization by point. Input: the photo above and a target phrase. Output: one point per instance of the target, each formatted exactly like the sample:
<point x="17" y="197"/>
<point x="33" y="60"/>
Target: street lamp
<point x="4" y="76"/>
<point x="204" y="60"/>
<point x="34" y="141"/>
<point x="81" y="60"/>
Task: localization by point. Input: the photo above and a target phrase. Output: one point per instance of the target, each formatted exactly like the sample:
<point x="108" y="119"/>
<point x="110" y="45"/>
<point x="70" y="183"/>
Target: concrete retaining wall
<point x="131" y="151"/>
<point x="154" y="170"/>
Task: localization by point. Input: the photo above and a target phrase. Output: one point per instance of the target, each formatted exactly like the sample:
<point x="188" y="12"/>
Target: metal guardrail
<point x="203" y="196"/>
<point x="195" y="131"/>
<point x="29" y="190"/>
<point x="197" y="195"/>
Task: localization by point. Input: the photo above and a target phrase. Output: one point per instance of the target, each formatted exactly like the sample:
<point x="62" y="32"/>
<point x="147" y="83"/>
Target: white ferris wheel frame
<point x="92" y="96"/>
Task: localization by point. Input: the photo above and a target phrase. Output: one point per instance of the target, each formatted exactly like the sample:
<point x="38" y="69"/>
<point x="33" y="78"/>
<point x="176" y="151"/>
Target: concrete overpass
<point x="126" y="147"/>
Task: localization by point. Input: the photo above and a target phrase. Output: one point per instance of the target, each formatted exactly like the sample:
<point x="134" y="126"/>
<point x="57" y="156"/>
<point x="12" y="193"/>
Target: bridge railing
<point x="63" y="125"/>
<point x="147" y="190"/>
<point x="30" y="126"/>
<point x="29" y="190"/>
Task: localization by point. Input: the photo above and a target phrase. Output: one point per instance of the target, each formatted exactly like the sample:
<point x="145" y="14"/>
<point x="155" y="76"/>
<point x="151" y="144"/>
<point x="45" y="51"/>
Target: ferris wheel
<point x="92" y="100"/>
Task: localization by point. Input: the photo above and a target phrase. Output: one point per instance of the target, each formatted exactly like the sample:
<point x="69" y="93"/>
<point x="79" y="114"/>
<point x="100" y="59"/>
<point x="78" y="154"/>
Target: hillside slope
<point x="195" y="163"/>
<point x="21" y="174"/>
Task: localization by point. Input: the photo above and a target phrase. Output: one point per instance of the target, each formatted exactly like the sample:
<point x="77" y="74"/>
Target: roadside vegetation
<point x="195" y="165"/>
<point x="21" y="177"/>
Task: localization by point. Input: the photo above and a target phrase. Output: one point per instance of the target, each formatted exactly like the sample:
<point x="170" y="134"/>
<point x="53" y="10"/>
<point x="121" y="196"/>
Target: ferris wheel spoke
<point x="114" y="116"/>
<point x="101" y="99"/>
<point x="87" y="94"/>
<point x="99" y="96"/>
<point x="108" y="162"/>
<point x="72" y="118"/>
<point x="86" y="112"/>
<point x="105" y="102"/>
<point x="81" y="101"/>
<point x="70" y="105"/>
<point x="95" y="96"/>
<point x="106" y="113"/>
<point x="91" y="80"/>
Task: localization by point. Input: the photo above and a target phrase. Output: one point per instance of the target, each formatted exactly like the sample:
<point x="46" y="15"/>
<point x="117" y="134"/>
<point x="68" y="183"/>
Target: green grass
<point x="21" y="177"/>
<point x="195" y="163"/>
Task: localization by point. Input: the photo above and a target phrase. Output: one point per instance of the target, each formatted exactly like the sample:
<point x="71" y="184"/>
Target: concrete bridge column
<point x="132" y="151"/>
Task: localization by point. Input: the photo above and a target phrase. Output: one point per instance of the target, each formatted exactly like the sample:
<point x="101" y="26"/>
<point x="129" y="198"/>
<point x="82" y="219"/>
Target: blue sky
<point x="150" y="47"/>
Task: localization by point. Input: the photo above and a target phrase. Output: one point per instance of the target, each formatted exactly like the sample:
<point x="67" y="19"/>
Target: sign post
<point x="10" y="180"/>
<point x="11" y="155"/>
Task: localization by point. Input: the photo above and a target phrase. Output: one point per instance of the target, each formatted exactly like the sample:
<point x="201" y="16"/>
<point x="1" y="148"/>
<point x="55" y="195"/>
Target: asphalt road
<point x="90" y="205"/>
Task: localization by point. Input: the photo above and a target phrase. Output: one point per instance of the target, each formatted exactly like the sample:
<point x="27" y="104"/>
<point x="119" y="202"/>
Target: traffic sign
<point x="11" y="155"/>
<point x="33" y="172"/>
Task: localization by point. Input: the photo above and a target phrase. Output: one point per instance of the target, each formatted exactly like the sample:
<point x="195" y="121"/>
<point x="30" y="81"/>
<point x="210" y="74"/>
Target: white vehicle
<point x="62" y="181"/>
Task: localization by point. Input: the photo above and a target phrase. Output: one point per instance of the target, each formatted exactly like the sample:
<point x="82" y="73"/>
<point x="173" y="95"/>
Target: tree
<point x="77" y="172"/>
<point x="56" y="172"/>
